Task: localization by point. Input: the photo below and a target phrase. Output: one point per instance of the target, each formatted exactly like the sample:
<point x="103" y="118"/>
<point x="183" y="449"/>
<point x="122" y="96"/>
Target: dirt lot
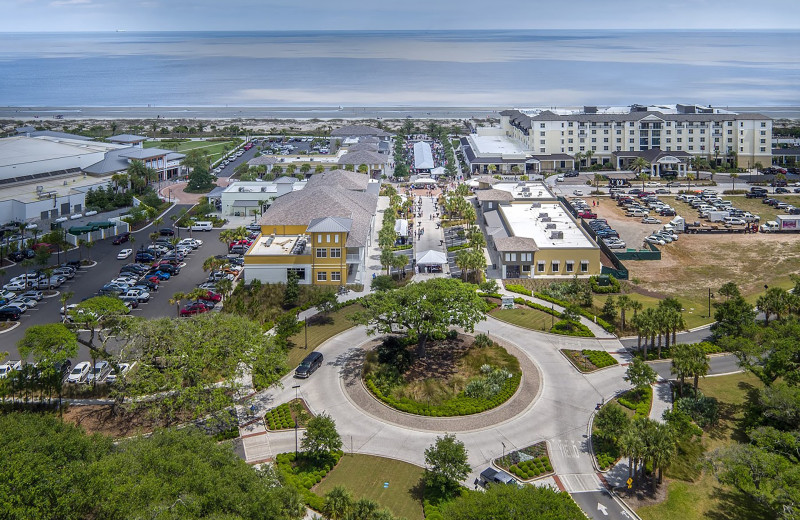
<point x="100" y="419"/>
<point x="695" y="263"/>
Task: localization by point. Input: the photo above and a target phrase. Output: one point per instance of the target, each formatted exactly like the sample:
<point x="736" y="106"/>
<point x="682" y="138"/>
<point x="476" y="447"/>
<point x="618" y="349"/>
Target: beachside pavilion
<point x="677" y="162"/>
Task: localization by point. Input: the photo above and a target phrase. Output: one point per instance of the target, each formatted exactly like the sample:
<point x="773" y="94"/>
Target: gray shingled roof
<point x="341" y="179"/>
<point x="369" y="147"/>
<point x="58" y="135"/>
<point x="363" y="157"/>
<point x="515" y="244"/>
<point x="286" y="179"/>
<point x="112" y="162"/>
<point x="126" y="138"/>
<point x="493" y="195"/>
<point x="302" y="207"/>
<point x="262" y="159"/>
<point x="143" y="153"/>
<point x="330" y="225"/>
<point x="358" y="131"/>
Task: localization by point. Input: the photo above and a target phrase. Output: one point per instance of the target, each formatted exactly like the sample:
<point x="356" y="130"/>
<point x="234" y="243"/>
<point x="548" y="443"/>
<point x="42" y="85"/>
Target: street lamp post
<point x="295" y="421"/>
<point x="710" y="295"/>
<point x="306" y="329"/>
<point x="504" y="452"/>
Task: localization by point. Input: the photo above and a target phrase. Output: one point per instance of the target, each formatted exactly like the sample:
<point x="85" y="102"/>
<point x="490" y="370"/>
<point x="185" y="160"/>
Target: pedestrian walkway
<point x="432" y="237"/>
<point x="662" y="399"/>
<point x="598" y="331"/>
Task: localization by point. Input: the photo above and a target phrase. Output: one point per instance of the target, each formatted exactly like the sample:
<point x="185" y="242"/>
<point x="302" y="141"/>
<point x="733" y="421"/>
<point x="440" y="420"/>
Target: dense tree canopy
<point x="424" y="309"/>
<point x="447" y="464"/>
<point x="54" y="470"/>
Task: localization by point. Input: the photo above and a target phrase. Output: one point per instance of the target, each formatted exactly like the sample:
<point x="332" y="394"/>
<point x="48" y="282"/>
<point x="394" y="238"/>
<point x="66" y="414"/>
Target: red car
<point x="194" y="308"/>
<point x="211" y="296"/>
<point x="587" y="214"/>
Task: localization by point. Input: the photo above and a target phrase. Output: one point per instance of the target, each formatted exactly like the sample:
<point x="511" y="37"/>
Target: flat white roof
<point x="22" y="150"/>
<point x="526" y="190"/>
<point x="280" y="245"/>
<point x="530" y="220"/>
<point x="423" y="156"/>
<point x="495" y="145"/>
<point x="62" y="186"/>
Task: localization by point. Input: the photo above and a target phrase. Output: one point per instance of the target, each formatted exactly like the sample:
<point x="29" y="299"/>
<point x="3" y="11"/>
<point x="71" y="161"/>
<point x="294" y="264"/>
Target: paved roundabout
<point x="353" y="387"/>
<point x="558" y="411"/>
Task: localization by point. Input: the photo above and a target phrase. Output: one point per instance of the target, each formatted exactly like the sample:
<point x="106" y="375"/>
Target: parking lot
<point x="88" y="281"/>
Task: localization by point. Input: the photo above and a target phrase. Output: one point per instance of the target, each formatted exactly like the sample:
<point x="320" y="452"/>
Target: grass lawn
<point x="693" y="319"/>
<point x="705" y="497"/>
<point x="365" y="475"/>
<point x="319" y="330"/>
<point x="215" y="149"/>
<point x="527" y="318"/>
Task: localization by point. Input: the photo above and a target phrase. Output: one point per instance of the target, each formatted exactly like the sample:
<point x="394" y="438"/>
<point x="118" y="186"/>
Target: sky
<point x="274" y="15"/>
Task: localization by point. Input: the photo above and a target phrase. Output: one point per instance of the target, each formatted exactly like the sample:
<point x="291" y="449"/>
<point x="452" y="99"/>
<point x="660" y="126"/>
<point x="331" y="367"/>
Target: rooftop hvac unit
<point x="543" y="215"/>
<point x="546" y="219"/>
<point x="268" y="241"/>
<point x="557" y="235"/>
<point x="536" y="205"/>
<point x="552" y="225"/>
<point x="39" y="189"/>
<point x="264" y="188"/>
<point x="241" y="189"/>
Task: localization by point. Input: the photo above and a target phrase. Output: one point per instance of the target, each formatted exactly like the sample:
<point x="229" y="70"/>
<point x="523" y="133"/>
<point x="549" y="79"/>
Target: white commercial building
<point x="243" y="197"/>
<point x="711" y="133"/>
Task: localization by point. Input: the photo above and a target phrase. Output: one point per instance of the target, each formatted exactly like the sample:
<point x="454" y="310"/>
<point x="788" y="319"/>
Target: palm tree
<point x="65" y="297"/>
<point x="623" y="303"/>
<point x="681" y="363"/>
<point x="176" y="300"/>
<point x="662" y="449"/>
<point x="463" y="262"/>
<point x="515" y="170"/>
<point x="689" y="178"/>
<point x="225" y="286"/>
<point x="734" y="176"/>
<point x="632" y="447"/>
<point x="338" y="503"/>
<point x="698" y="363"/>
<point x="588" y="154"/>
<point x="577" y="158"/>
<point x="89" y="245"/>
<point x="319" y="169"/>
<point x="639" y="165"/>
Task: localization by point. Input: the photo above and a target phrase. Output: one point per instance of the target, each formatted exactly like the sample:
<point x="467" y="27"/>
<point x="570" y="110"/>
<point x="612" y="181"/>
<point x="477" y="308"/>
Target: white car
<point x="560" y="178"/>
<point x="194" y="243"/>
<point x="654" y="240"/>
<point x="19" y="301"/>
<point x="650" y="220"/>
<point x="125" y="280"/>
<point x="79" y="372"/>
<point x="125" y="253"/>
<point x="15" y="286"/>
<point x="8" y="367"/>
<point x="99" y="373"/>
<point x="70" y="307"/>
<point x="123" y="369"/>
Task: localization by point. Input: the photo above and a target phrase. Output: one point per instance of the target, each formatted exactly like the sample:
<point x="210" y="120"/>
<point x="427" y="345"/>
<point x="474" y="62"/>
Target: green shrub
<point x="638" y="399"/>
<point x="518" y="289"/>
<point x="613" y="287"/>
<point x="599" y="358"/>
<point x="702" y="409"/>
<point x="571" y="328"/>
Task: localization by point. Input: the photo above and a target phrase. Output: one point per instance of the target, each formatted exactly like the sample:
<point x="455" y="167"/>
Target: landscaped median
<point x="460" y="375"/>
<point x="533" y="316"/>
<point x="286" y="415"/>
<point x="529" y="463"/>
<point x="589" y="360"/>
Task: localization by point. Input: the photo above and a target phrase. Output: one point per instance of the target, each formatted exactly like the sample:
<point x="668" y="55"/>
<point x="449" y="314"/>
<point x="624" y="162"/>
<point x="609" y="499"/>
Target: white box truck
<point x="790" y="223"/>
<point x="717" y="216"/>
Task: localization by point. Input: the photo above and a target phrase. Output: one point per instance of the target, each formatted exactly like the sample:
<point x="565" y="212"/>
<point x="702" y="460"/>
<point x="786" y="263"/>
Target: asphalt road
<point x="228" y="170"/>
<point x="600" y="505"/>
<point x="719" y="365"/>
<point x="87" y="281"/>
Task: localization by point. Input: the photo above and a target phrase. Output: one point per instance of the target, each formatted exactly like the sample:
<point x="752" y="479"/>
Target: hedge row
<point x="571" y="328"/>
<point x="614" y="286"/>
<point x="642" y="406"/>
<point x="309" y="471"/>
<point x="519" y="289"/>
<point x="538" y="307"/>
<point x="605" y="450"/>
<point x="608" y="327"/>
<point x="531" y="468"/>
<point x="458" y="247"/>
<point x="490" y="295"/>
<point x="279" y="418"/>
<point x="460" y="405"/>
<point x="599" y="358"/>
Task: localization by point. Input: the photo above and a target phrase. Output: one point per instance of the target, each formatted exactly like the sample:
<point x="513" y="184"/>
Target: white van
<point x="201" y="225"/>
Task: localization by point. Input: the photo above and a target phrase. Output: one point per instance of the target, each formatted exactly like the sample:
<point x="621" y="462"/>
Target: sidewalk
<point x="662" y="400"/>
<point x="598" y="331"/>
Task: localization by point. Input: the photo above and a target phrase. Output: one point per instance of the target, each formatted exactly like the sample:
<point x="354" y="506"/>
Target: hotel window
<point x="594" y="139"/>
<point x="679" y="140"/>
<point x="542" y="141"/>
<point x="702" y="139"/>
<point x="619" y="132"/>
<point x="336" y="252"/>
<point x="605" y="148"/>
<point x="569" y="124"/>
<point x="702" y="130"/>
<point x="570" y="148"/>
<point x="301" y="273"/>
<point x="322" y="252"/>
<point x="691" y="131"/>
<point x="691" y="148"/>
<point x="605" y="139"/>
<point x="605" y="132"/>
<point x="322" y="276"/>
<point x="631" y="140"/>
<point x="594" y="132"/>
<point x="763" y="148"/>
<point x="569" y="132"/>
<point x="763" y="141"/>
<point x="583" y="148"/>
<point x="584" y="266"/>
<point x="336" y="276"/>
<point x="763" y="124"/>
<point x="542" y="150"/>
<point x="570" y="266"/>
<point x="570" y="140"/>
<point x="540" y="267"/>
<point x="730" y="123"/>
<point x="541" y="125"/>
<point x="619" y="140"/>
<point x="541" y="134"/>
<point x="691" y="139"/>
<point x="554" y="266"/>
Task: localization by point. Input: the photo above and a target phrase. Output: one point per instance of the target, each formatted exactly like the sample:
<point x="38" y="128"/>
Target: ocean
<point x="401" y="69"/>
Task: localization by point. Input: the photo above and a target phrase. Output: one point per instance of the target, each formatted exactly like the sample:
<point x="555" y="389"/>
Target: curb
<point x="14" y="326"/>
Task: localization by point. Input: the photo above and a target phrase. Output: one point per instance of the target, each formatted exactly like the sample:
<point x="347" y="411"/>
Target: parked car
<point x="112" y="375"/>
<point x="122" y="237"/>
<point x="50" y="283"/>
<point x="166" y="232"/>
<point x="64" y="271"/>
<point x="587" y="214"/>
<point x="8" y="367"/>
<point x="79" y="372"/>
<point x="28" y="303"/>
<point x="211" y="296"/>
<point x="147" y="285"/>
<point x="35" y="295"/>
<point x="650" y="220"/>
<point x="99" y="372"/>
<point x="577" y="193"/>
<point x="144" y="257"/>
<point x="309" y="365"/>
<point x="654" y="240"/>
<point x="124" y="253"/>
<point x="140" y="295"/>
<point x="159" y="275"/>
<point x="194" y="308"/>
<point x="10" y="313"/>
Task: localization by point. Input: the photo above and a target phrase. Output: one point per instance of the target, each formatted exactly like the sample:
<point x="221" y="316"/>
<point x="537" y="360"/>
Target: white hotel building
<point x="706" y="132"/>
